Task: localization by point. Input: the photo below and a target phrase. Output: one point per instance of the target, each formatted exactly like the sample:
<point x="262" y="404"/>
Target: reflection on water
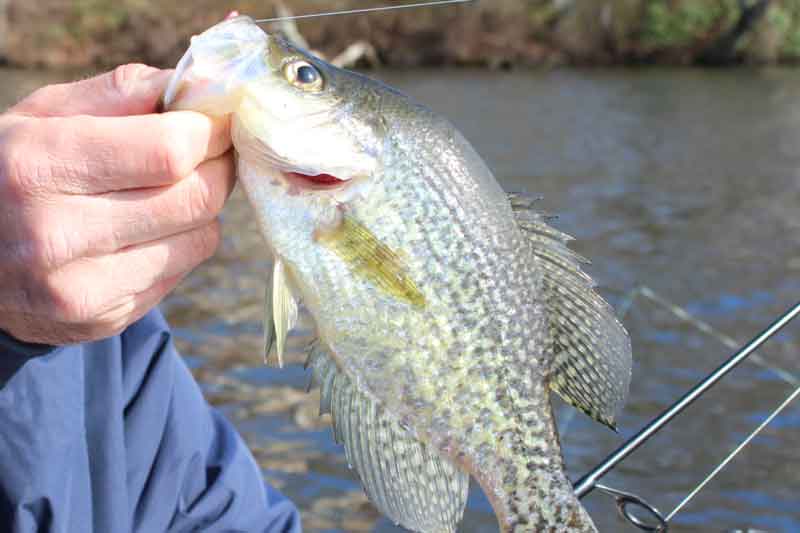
<point x="685" y="181"/>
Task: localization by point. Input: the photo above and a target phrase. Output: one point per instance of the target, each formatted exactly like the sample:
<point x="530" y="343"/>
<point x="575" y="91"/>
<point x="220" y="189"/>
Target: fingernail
<point x="137" y="80"/>
<point x="156" y="76"/>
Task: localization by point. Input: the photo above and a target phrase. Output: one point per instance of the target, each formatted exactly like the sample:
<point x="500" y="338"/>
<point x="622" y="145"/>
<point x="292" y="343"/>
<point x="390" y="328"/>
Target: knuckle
<point x="17" y="177"/>
<point x="124" y="77"/>
<point x="69" y="303"/>
<point x="45" y="247"/>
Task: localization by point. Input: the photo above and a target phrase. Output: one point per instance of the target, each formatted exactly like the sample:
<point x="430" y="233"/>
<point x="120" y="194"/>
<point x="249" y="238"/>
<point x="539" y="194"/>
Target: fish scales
<point x="482" y="399"/>
<point x="471" y="343"/>
<point x="446" y="312"/>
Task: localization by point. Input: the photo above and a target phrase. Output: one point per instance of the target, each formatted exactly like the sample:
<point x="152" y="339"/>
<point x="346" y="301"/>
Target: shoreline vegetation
<point x="489" y="33"/>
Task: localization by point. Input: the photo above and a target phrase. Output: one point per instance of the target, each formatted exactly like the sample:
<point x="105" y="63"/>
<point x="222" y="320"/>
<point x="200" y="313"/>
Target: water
<point x="685" y="181"/>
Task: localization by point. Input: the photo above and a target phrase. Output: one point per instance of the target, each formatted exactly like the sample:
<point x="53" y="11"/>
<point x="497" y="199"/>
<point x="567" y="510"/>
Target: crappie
<point x="446" y="311"/>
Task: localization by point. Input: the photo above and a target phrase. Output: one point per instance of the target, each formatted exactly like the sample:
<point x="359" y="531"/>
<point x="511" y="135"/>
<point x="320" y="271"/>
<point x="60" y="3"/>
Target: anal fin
<point x="406" y="480"/>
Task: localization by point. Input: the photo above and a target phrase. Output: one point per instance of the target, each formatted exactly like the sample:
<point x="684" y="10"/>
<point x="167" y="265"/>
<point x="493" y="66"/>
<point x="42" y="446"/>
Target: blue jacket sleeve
<point x="14" y="354"/>
<point x="115" y="435"/>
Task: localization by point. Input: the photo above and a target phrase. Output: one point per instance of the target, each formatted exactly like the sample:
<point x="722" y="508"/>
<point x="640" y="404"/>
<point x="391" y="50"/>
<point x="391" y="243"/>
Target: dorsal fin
<point x="405" y="479"/>
<point x="591" y="368"/>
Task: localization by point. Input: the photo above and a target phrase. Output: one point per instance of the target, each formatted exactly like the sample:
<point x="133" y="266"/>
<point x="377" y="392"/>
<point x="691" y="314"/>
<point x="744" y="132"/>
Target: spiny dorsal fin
<point x="592" y="352"/>
<point x="403" y="477"/>
<point x="280" y="314"/>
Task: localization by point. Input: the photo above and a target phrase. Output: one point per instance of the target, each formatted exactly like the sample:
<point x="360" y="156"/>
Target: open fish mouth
<point x="314" y="182"/>
<point x="326" y="186"/>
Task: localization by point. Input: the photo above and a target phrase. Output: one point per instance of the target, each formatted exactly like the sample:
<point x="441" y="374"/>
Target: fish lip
<point x="338" y="193"/>
<point x="221" y="88"/>
<point x="170" y="94"/>
<point x="296" y="179"/>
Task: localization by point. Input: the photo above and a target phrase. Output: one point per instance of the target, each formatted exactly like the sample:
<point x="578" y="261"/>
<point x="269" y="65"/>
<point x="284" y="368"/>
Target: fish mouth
<point x="314" y="182"/>
<point x="323" y="185"/>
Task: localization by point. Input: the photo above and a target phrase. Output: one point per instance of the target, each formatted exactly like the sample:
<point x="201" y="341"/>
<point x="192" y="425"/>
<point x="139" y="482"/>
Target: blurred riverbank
<point x="102" y="33"/>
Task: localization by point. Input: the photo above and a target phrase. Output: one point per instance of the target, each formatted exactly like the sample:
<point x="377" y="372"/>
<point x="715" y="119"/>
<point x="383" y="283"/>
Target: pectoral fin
<point x="269" y="319"/>
<point x="592" y="365"/>
<point x="372" y="260"/>
<point x="280" y="314"/>
<point x="408" y="481"/>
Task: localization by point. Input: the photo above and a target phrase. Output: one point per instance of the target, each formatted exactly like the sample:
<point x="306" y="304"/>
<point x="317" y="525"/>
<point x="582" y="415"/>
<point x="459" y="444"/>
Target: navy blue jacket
<point x="115" y="436"/>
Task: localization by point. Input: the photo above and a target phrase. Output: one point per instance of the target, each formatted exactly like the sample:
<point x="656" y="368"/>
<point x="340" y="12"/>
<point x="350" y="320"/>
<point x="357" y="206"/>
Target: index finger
<point x="91" y="155"/>
<point x="132" y="89"/>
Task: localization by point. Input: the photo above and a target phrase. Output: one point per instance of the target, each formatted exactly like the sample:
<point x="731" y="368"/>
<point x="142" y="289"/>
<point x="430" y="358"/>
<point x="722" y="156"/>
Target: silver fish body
<point x="445" y="312"/>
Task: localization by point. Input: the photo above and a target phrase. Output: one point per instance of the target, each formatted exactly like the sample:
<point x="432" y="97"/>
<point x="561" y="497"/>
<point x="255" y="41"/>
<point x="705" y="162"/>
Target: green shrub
<point x="674" y="23"/>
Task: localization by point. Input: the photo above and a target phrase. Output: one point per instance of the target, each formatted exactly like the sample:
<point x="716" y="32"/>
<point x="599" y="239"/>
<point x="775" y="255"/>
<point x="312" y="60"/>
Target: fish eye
<point x="306" y="74"/>
<point x="303" y="75"/>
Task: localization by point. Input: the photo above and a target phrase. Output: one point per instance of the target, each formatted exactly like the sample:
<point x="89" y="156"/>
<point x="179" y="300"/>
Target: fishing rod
<point x="625" y="500"/>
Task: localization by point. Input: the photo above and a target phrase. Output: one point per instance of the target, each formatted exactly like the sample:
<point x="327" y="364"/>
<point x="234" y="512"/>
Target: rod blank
<point x="587" y="483"/>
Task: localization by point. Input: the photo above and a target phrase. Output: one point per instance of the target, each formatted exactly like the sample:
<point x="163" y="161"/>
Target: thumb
<point x="133" y="89"/>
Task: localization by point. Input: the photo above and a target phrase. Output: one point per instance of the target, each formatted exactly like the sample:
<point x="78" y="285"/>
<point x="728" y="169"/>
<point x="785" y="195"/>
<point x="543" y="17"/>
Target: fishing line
<point x="590" y="481"/>
<point x="363" y="10"/>
<point x="625" y="306"/>
<point x="733" y="454"/>
<point x="627" y="502"/>
<point x="704" y="327"/>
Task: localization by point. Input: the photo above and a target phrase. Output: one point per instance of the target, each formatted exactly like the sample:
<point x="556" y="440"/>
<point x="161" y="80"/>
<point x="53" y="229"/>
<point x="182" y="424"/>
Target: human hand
<point x="104" y="205"/>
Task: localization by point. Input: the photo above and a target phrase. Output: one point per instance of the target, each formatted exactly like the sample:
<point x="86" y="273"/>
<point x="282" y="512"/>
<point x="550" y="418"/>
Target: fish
<point x="446" y="310"/>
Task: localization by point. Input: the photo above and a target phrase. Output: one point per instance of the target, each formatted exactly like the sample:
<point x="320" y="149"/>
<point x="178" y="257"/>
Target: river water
<point x="684" y="181"/>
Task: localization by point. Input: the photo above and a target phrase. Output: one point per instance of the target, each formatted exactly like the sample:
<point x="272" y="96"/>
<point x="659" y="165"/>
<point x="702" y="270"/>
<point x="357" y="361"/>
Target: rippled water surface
<point x="687" y="182"/>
